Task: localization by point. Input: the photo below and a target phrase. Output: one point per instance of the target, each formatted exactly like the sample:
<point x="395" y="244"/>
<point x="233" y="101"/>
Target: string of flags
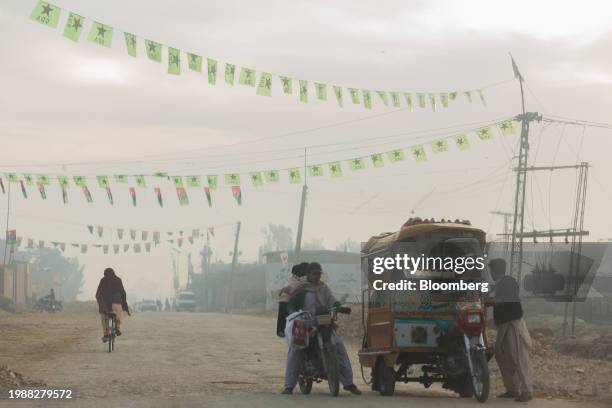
<point x="99" y="33"/>
<point x="156" y="236"/>
<point x="210" y="183"/>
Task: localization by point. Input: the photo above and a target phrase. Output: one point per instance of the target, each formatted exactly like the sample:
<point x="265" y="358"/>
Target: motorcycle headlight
<point x="473" y="318"/>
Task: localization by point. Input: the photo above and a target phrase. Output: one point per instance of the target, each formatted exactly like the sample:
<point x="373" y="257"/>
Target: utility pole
<point x="506" y="216"/>
<point x="298" y="239"/>
<point x="229" y="304"/>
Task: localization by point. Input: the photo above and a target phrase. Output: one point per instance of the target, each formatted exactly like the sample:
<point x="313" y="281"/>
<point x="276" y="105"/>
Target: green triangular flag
<point x="212" y="182"/>
<point x="354" y="95"/>
<point x="247" y="77"/>
<point x="265" y="84"/>
<point x="482" y="98"/>
<point x="230" y="70"/>
<point x="462" y="142"/>
<point x="321" y="91"/>
<point x="484" y="133"/>
<point x="63" y="181"/>
<point x="121" y="178"/>
<point x="419" y="153"/>
<point x="232" y="179"/>
<point x="439" y="146"/>
<point x="338" y="92"/>
<point x="140" y="181"/>
<point x="408" y="97"/>
<point x="287" y="84"/>
<point x="101" y="34"/>
<point x="154" y="50"/>
<point x="212" y="70"/>
<point x="42" y="179"/>
<point x="80" y="181"/>
<point x="178" y="181"/>
<point x="29" y="179"/>
<point x="421" y="100"/>
<point x="377" y="160"/>
<point x="174" y="61"/>
<point x="195" y="62"/>
<point x="468" y="95"/>
<point x="130" y="44"/>
<point x="294" y="176"/>
<point x="303" y="91"/>
<point x="432" y="101"/>
<point x="383" y="97"/>
<point x="396" y="155"/>
<point x="395" y="98"/>
<point x="315" y="170"/>
<point x="74" y="26"/>
<point x="102" y="181"/>
<point x="367" y="99"/>
<point x="256" y="179"/>
<point x="271" y="176"/>
<point x="444" y="99"/>
<point x="335" y="169"/>
<point x="194" y="181"/>
<point x="507" y="128"/>
<point x="46" y="14"/>
<point x="357" y="163"/>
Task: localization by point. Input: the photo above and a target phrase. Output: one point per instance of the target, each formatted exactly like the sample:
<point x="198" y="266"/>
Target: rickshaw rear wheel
<point x="384" y="378"/>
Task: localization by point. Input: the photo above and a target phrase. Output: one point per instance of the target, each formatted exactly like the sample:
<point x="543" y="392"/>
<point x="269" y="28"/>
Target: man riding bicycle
<point x="111" y="298"/>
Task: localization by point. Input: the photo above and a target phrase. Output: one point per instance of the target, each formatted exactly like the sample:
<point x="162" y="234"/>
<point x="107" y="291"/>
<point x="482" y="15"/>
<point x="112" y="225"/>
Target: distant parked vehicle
<point x="148" y="305"/>
<point x="185" y="302"/>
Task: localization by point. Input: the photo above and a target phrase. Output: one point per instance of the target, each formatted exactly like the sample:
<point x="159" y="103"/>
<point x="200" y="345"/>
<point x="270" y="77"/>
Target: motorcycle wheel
<point x="332" y="368"/>
<point x="384" y="377"/>
<point x="304" y="382"/>
<point x="480" y="376"/>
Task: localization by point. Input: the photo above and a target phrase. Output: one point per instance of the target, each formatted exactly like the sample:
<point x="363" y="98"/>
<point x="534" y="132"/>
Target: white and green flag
<point x="74" y="26"/>
<point x="247" y="77"/>
<point x="315" y="170"/>
<point x="130" y="44"/>
<point x="101" y="34"/>
<point x="174" y="61"/>
<point x="46" y="14"/>
<point x="357" y="163"/>
<point x="194" y="181"/>
<point x="439" y="146"/>
<point x="294" y="176"/>
<point x="154" y="50"/>
<point x="232" y="179"/>
<point x="265" y="84"/>
<point x="335" y="169"/>
<point x="287" y="84"/>
<point x="212" y="182"/>
<point x="195" y="62"/>
<point x="396" y="155"/>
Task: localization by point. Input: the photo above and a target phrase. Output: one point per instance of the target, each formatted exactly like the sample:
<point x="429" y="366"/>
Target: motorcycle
<point x="46" y="304"/>
<point x="319" y="359"/>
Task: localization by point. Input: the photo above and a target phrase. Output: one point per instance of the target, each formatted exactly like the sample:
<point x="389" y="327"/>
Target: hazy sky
<point x="78" y="108"/>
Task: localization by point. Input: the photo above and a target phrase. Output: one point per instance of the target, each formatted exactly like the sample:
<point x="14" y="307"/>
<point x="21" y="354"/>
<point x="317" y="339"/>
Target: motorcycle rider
<point x="316" y="295"/>
<point x="111" y="297"/>
<point x="297" y="278"/>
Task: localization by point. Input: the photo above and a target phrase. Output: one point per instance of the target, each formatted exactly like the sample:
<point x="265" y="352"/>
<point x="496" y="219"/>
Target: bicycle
<point x="112" y="326"/>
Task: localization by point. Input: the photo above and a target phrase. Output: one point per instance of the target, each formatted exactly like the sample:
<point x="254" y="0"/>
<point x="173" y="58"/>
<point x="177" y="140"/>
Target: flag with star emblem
<point x="182" y="196"/>
<point x="377" y="160"/>
<point x="46" y="14"/>
<point x="265" y="84"/>
<point x="41" y="190"/>
<point x="452" y="96"/>
<point x="158" y="194"/>
<point x="42" y="179"/>
<point x="133" y="195"/>
<point x="80" y="181"/>
<point x="482" y="97"/>
<point x="287" y="84"/>
<point x="272" y="176"/>
<point x="121" y="178"/>
<point x="63" y="181"/>
<point x="432" y="101"/>
<point x="29" y="179"/>
<point x="212" y="70"/>
<point x="383" y="97"/>
<point x="354" y="95"/>
<point x="140" y="181"/>
<point x="208" y="196"/>
<point x="396" y="155"/>
<point x="212" y="182"/>
<point x="256" y="179"/>
<point x="247" y="77"/>
<point x="23" y="189"/>
<point x="103" y="181"/>
<point x="444" y="99"/>
<point x="237" y="193"/>
<point x="195" y="62"/>
<point x="419" y="153"/>
<point x="87" y="194"/>
<point x="130" y="44"/>
<point x="507" y="128"/>
<point x="335" y="169"/>
<point x="64" y="194"/>
<point x="101" y="34"/>
<point x="338" y="92"/>
<point x="408" y="98"/>
<point x="232" y="179"/>
<point x="321" y="91"/>
<point x="357" y="163"/>
<point x="367" y="99"/>
<point x="315" y="170"/>
<point x="421" y="100"/>
<point x="178" y="181"/>
<point x="439" y="146"/>
<point x="12" y="177"/>
<point x="230" y="70"/>
<point x="194" y="181"/>
<point x="484" y="133"/>
<point x="174" y="61"/>
<point x="468" y="95"/>
<point x="395" y="99"/>
<point x="294" y="176"/>
<point x="303" y="91"/>
<point x="462" y="142"/>
<point x="154" y="50"/>
<point x="74" y="26"/>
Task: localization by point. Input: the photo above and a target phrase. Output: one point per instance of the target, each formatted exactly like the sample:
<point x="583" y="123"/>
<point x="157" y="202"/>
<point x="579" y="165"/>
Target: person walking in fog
<point x="111" y="297"/>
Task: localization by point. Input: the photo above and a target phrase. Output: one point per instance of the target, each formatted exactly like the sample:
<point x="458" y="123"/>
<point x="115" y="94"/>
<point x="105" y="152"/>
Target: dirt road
<point x="176" y="360"/>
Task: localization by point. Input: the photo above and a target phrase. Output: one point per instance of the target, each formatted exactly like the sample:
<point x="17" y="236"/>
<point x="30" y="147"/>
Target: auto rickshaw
<point x="426" y="336"/>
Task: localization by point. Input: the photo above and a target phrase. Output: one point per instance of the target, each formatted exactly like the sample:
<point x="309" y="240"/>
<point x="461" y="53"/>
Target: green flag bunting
<point x="419" y="153"/>
<point x="140" y="181"/>
<point x="230" y="70"/>
<point x="232" y="179"/>
<point x="212" y="70"/>
<point x="154" y="50"/>
<point x="338" y="92"/>
<point x="101" y="34"/>
<point x="321" y="91"/>
<point x="102" y="181"/>
<point x="484" y="133"/>
<point x="294" y="176"/>
<point x="74" y="26"/>
<point x="247" y="77"/>
<point x="256" y="179"/>
<point x="46" y="14"/>
<point x="265" y="84"/>
<point x="80" y="181"/>
<point x="212" y="182"/>
<point x="377" y="160"/>
<point x="303" y="91"/>
<point x="396" y="155"/>
<point x="42" y="179"/>
<point x="194" y="181"/>
<point x="357" y="163"/>
<point x="421" y="100"/>
<point x="335" y="169"/>
<point x="121" y="178"/>
<point x="383" y="97"/>
<point x="287" y="84"/>
<point x="130" y="44"/>
<point x="354" y="95"/>
<point x="174" y="61"/>
<point x="462" y="142"/>
<point x="444" y="99"/>
<point x="367" y="99"/>
<point x="177" y="181"/>
<point x="272" y="176"/>
<point x="439" y="146"/>
<point x="507" y="128"/>
<point x="195" y="62"/>
<point x="432" y="101"/>
<point x="395" y="98"/>
<point x="408" y="97"/>
<point x="315" y="170"/>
